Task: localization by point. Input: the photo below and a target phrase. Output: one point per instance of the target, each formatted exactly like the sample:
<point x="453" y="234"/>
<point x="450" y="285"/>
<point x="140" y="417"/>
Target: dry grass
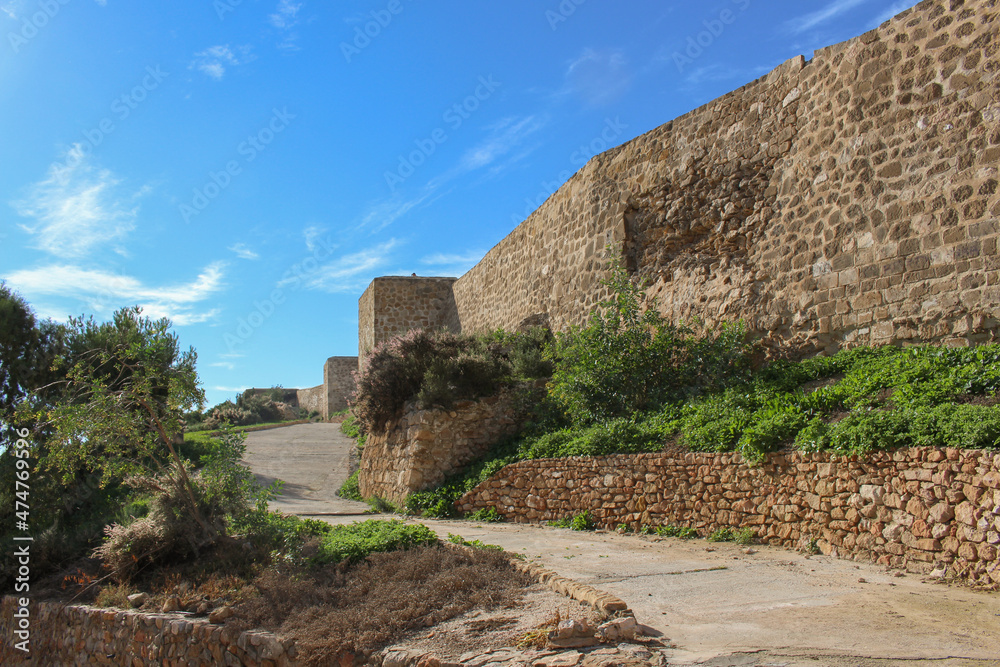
<point x="361" y="608"/>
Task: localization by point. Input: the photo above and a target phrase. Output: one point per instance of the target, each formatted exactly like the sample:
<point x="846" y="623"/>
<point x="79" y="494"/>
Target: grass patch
<point x="349" y="489"/>
<point x="581" y="521"/>
<point x="356" y="541"/>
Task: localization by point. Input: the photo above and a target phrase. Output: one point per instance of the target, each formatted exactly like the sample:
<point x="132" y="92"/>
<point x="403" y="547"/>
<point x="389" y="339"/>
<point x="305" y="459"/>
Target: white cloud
<point x="214" y="60"/>
<point x="896" y="8"/>
<point x="285" y="18"/>
<point x="228" y="365"/>
<point x="12" y="8"/>
<point x="454" y="264"/>
<point x="243" y="252"/>
<point x="809" y="21"/>
<point x="504" y="136"/>
<point x="101" y="289"/>
<point x="77" y="206"/>
<point x="599" y="77"/>
<point x="383" y="214"/>
<point x="350" y="272"/>
<point x="311" y="233"/>
<point x="285" y="15"/>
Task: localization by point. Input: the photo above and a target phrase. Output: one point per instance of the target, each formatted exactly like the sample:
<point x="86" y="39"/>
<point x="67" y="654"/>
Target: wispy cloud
<point x="312" y="233"/>
<point x="78" y="206"/>
<point x="384" y="213"/>
<point x="353" y="271"/>
<point x="285" y="18"/>
<point x="214" y="60"/>
<point x="243" y="252"/>
<point x="599" y="77"/>
<point x="811" y="20"/>
<point x="504" y="136"/>
<point x="453" y="263"/>
<point x="102" y="289"/>
<point x="228" y="365"/>
<point x="12" y="8"/>
<point x="896" y="8"/>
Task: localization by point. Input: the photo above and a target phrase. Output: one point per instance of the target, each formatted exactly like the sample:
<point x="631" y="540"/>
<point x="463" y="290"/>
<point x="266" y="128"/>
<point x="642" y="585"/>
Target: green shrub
<point x="629" y="360"/>
<point x="487" y="515"/>
<point x="475" y="544"/>
<point x="581" y="521"/>
<point x="349" y="489"/>
<point x="682" y="532"/>
<point x="437" y="368"/>
<point x="358" y="540"/>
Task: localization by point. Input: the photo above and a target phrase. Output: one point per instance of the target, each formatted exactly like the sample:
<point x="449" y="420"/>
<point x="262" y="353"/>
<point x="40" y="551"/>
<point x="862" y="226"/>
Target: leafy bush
<point x="581" y="521"/>
<point x="742" y="536"/>
<point x="628" y="360"/>
<point x="487" y="515"/>
<point x="438" y="368"/>
<point x="684" y="532"/>
<point x="475" y="544"/>
<point x="357" y="541"/>
<point x="349" y="489"/>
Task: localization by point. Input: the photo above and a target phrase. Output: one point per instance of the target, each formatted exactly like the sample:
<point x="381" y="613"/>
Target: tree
<point x="28" y="349"/>
<point x="120" y="405"/>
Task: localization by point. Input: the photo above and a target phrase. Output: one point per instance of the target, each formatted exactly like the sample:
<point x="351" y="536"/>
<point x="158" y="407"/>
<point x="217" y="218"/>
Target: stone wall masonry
<point x="338" y="379"/>
<point x="394" y="305"/>
<point x="850" y="199"/>
<point x="915" y="508"/>
<point x="418" y="450"/>
<point x="81" y="635"/>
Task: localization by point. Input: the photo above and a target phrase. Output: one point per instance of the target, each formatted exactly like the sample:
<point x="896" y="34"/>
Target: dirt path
<point x="717" y="603"/>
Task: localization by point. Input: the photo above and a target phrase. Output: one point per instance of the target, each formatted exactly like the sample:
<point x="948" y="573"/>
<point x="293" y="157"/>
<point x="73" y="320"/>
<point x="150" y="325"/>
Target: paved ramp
<point x="313" y="460"/>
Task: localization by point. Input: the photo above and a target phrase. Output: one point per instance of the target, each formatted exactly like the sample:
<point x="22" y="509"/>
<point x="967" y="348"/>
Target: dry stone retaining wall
<point x="80" y="635"/>
<point x="914" y="508"/>
<point x="417" y="451"/>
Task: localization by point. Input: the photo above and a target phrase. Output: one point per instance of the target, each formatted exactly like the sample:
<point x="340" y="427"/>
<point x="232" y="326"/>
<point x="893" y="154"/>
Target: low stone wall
<point x="419" y="450"/>
<point x="80" y="635"/>
<point x="313" y="399"/>
<point x="912" y="508"/>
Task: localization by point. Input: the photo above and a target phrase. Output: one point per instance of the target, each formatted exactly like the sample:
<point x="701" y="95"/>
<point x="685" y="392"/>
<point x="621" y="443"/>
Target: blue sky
<point x="246" y="167"/>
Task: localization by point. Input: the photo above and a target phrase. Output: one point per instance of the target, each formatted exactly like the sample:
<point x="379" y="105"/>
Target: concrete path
<point x="719" y="604"/>
<point x="313" y="460"/>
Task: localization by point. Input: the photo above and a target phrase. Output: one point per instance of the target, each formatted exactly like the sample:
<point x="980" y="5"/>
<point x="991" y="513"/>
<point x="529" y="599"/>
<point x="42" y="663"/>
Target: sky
<point x="247" y="167"/>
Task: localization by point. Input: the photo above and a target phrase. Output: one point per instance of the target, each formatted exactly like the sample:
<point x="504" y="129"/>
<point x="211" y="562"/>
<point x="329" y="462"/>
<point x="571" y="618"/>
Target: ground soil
<point x="716" y="603"/>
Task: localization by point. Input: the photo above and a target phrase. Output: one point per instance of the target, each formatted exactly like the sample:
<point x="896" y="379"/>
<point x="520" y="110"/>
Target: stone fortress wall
<point x="849" y="199"/>
<point x="844" y="200"/>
